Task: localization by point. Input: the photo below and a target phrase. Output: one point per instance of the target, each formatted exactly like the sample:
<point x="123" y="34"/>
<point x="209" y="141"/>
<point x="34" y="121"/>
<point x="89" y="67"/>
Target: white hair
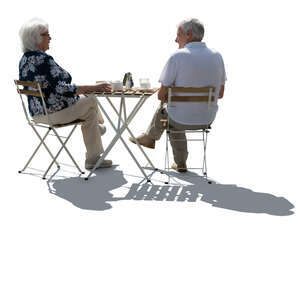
<point x="30" y="34"/>
<point x="195" y="25"/>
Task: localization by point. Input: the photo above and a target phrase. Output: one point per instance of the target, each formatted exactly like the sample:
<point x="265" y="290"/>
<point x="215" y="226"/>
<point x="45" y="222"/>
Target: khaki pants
<point x="177" y="139"/>
<point x="87" y="110"/>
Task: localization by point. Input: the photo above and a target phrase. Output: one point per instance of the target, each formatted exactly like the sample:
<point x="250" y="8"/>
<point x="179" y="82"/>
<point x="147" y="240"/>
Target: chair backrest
<point x="187" y="99"/>
<point x="30" y="88"/>
<point x="202" y="94"/>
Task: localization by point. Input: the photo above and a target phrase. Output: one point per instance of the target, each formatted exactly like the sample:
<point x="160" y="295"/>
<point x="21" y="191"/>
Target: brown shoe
<point x="144" y="140"/>
<point x="181" y="168"/>
<point x="106" y="163"/>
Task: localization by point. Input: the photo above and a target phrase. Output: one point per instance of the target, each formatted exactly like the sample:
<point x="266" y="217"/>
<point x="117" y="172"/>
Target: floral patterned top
<point x="56" y="82"/>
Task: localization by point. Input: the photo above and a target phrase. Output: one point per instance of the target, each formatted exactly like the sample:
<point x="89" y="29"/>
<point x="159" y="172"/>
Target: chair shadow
<point x="96" y="193"/>
<point x="231" y="196"/>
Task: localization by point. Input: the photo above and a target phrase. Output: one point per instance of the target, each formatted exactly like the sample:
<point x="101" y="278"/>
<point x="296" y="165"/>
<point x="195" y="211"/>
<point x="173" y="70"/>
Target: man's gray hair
<point x="195" y="25"/>
<point x="30" y="34"/>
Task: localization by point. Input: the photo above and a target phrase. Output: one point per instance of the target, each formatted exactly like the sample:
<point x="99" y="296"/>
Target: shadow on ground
<point x="96" y="193"/>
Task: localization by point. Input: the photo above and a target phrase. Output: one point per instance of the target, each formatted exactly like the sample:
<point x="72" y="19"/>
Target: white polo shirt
<point x="195" y="65"/>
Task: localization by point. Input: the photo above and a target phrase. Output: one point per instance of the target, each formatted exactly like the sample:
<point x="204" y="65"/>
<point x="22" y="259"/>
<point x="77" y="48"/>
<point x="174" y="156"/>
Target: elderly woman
<point x="63" y="102"/>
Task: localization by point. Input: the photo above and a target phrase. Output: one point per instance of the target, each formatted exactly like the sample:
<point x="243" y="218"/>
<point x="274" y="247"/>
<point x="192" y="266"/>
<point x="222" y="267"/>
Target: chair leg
<point x="167" y="161"/>
<point x="205" y="133"/>
<point x="204" y="162"/>
<point x="46" y="147"/>
<point x="63" y="146"/>
<point x="204" y="166"/>
<point x="42" y="142"/>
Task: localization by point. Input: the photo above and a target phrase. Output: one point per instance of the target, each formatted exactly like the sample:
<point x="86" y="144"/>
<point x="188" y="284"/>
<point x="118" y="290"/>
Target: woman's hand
<point x="103" y="87"/>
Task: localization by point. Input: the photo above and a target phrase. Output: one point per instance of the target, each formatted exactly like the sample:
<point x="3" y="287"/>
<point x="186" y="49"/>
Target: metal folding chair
<point x="189" y="95"/>
<point x="35" y="89"/>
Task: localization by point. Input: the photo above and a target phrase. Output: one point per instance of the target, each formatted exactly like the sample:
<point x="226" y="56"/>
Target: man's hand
<point x="221" y="92"/>
<point x="163" y="94"/>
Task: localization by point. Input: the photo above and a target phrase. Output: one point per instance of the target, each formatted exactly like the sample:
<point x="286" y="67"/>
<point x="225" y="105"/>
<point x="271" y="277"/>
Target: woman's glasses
<point x="45" y="34"/>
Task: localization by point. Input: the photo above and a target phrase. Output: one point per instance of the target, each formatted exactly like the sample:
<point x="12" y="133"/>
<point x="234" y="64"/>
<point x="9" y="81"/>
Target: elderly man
<point x="192" y="65"/>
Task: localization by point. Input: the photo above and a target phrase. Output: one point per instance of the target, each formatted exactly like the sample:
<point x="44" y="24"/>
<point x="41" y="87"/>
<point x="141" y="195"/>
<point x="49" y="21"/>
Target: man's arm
<point x="221" y="92"/>
<point x="163" y="94"/>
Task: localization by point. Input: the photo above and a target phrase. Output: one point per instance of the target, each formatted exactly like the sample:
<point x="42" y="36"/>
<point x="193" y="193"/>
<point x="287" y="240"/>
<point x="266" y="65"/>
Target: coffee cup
<point x="145" y="83"/>
<point x="117" y="85"/>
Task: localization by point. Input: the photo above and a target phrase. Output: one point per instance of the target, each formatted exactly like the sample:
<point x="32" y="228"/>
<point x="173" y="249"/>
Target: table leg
<point x="127" y="122"/>
<point x="119" y="132"/>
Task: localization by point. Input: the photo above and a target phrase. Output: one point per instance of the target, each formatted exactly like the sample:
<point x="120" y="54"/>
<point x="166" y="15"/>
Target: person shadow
<point x="228" y="196"/>
<point x="92" y="194"/>
<point x="96" y="193"/>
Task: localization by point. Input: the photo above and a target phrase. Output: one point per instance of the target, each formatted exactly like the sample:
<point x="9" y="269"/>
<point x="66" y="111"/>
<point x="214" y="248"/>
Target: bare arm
<point x="163" y="94"/>
<point x="221" y="92"/>
<point x="86" y="89"/>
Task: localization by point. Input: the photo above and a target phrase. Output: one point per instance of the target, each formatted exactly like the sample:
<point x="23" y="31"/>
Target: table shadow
<point x="95" y="194"/>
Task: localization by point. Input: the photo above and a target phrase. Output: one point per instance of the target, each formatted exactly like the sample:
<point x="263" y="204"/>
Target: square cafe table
<point x="123" y="120"/>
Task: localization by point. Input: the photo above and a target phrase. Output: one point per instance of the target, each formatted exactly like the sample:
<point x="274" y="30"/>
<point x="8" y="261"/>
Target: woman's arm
<point x="86" y="89"/>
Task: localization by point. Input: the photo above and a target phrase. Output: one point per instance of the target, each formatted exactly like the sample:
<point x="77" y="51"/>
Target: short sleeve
<point x="168" y="75"/>
<point x="224" y="77"/>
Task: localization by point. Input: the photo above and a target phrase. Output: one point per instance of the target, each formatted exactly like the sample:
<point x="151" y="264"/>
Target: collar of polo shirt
<point x="194" y="44"/>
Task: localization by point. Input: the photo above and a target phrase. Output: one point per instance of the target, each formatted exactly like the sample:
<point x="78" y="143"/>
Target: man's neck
<point x="194" y="40"/>
<point x="191" y="41"/>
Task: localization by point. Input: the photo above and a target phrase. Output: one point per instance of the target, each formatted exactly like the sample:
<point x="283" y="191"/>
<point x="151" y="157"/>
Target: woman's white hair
<point x="195" y="25"/>
<point x="30" y="34"/>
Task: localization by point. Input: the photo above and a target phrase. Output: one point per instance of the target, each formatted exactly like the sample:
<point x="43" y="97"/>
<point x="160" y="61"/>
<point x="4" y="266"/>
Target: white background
<point x="129" y="249"/>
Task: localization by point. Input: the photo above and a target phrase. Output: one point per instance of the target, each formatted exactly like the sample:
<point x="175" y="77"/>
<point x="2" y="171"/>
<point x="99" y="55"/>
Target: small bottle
<point x="127" y="84"/>
<point x="127" y="81"/>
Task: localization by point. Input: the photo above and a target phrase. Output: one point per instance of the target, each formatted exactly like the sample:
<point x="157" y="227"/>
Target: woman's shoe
<point x="106" y="163"/>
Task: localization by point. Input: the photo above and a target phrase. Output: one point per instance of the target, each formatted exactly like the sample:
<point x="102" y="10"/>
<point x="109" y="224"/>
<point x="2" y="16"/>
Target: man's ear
<point x="189" y="33"/>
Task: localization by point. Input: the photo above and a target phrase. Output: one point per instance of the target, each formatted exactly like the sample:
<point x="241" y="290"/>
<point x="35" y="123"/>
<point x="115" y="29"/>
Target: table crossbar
<point x="123" y="122"/>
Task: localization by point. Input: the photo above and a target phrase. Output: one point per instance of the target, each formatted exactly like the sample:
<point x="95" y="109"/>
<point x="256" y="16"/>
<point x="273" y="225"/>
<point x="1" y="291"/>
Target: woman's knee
<point x="90" y="101"/>
<point x="90" y="117"/>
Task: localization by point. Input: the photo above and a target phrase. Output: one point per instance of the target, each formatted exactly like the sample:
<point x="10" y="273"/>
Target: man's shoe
<point x="144" y="140"/>
<point x="179" y="168"/>
<point x="106" y="163"/>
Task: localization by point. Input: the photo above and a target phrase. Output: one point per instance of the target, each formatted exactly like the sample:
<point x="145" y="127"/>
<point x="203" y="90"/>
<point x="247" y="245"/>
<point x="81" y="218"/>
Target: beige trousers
<point x="87" y="110"/>
<point x="177" y="139"/>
